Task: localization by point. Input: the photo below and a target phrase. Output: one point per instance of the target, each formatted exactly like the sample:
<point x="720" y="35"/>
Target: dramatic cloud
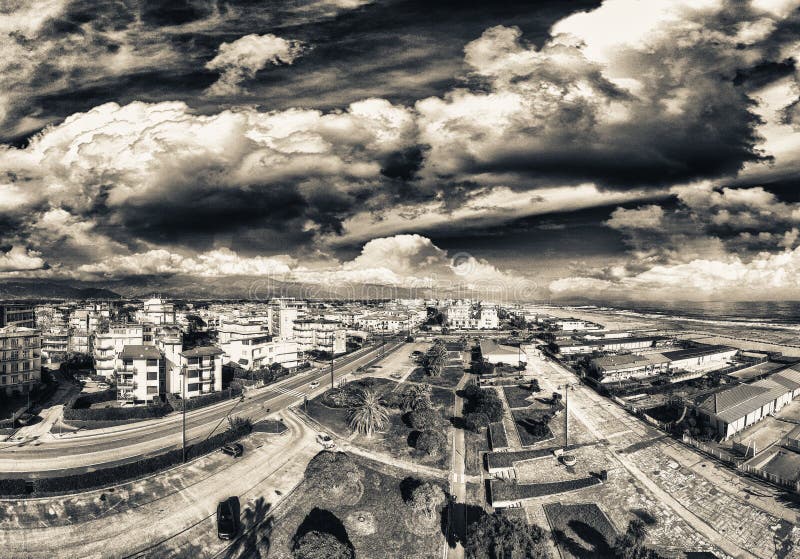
<point x="20" y="259"/>
<point x="240" y="60"/>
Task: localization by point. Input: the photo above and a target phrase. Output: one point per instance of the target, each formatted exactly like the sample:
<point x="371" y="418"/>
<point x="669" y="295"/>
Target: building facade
<point x="21" y="365"/>
<point x="141" y="375"/>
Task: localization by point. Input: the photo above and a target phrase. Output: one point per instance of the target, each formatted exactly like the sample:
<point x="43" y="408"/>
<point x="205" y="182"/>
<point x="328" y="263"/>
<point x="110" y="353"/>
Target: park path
<point x="458" y="485"/>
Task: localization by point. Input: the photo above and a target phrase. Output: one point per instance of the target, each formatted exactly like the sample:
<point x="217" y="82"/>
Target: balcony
<point x="126" y="383"/>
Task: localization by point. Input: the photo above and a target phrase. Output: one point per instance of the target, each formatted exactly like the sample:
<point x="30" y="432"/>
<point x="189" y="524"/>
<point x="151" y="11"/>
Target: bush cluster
<point x="204" y="400"/>
<point x="153" y="411"/>
<point x="482" y="401"/>
<point x="123" y="472"/>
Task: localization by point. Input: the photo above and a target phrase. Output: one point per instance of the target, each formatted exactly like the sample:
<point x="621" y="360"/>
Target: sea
<point x="760" y="314"/>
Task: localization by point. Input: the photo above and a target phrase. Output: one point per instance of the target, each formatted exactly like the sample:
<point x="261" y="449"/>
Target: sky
<point x="623" y="149"/>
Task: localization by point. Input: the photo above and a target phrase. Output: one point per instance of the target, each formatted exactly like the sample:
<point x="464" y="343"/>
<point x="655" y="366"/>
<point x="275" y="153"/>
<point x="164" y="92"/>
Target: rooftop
<point x="202" y="351"/>
<point x="492" y="347"/>
<point x="140" y="352"/>
<point x="699" y="351"/>
<point x="626" y="360"/>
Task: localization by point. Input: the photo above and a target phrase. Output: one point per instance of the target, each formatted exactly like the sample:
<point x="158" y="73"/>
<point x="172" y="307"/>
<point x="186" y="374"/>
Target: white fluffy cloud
<point x="21" y="259"/>
<point x="220" y="262"/>
<point x="240" y="60"/>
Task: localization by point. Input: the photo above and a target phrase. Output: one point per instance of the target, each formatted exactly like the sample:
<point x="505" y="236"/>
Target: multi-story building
<point x="79" y="340"/>
<point x="141" y="376"/>
<point x="463" y="315"/>
<point x="284" y="314"/>
<point x="255" y="351"/>
<point x="107" y="346"/>
<point x="55" y="343"/>
<point x="203" y="369"/>
<point x="318" y="334"/>
<point x="20" y="359"/>
<point x="17" y="315"/>
<point x="157" y="311"/>
<point x="238" y="328"/>
<point x="389" y="323"/>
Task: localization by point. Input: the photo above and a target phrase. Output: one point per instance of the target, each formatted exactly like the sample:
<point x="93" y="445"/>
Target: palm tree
<point x="368" y="415"/>
<point x="415" y="396"/>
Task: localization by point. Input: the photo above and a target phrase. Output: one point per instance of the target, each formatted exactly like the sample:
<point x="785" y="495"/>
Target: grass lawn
<point x="517" y="396"/>
<point x="474" y="443"/>
<point x="530" y="426"/>
<point x="581" y="530"/>
<point x="504" y="491"/>
<point x="397" y="439"/>
<point x="379" y="524"/>
<point x="497" y="435"/>
<point x="448" y="379"/>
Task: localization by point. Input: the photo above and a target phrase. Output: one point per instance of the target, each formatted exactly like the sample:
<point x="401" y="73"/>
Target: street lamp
<point x="183" y="406"/>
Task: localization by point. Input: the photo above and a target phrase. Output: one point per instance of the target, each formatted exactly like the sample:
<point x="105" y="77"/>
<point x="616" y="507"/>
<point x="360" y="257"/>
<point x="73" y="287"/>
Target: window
<point x="14" y="379"/>
<point x="5" y="380"/>
<point x="127" y="362"/>
<point x="152" y="362"/>
<point x="152" y="389"/>
<point x="152" y="375"/>
<point x="193" y="387"/>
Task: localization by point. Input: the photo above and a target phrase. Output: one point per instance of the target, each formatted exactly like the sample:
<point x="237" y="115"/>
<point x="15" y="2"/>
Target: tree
<point x="431" y="443"/>
<point x="475" y="421"/>
<point x="368" y="415"/>
<point x="426" y="500"/>
<point x="630" y="545"/>
<point x="425" y="418"/>
<point x="495" y="536"/>
<point x="321" y="545"/>
<point x="415" y="396"/>
<point x="332" y="471"/>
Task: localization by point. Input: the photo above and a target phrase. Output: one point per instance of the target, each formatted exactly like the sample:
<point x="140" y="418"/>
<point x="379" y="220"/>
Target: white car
<point x="314" y="384"/>
<point x="326" y="441"/>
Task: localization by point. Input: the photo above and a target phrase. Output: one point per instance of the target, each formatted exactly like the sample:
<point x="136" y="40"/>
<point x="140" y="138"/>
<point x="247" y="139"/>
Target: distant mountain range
<point x="190" y="287"/>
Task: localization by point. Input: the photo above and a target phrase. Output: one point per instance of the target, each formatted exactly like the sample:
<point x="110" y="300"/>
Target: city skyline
<point x="557" y="150"/>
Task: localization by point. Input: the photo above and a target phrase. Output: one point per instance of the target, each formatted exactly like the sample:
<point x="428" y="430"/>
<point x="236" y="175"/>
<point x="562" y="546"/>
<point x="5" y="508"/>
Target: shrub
<point x="475" y="421"/>
<point x="333" y="472"/>
<point x="484" y="401"/>
<point x="426" y="499"/>
<point x="424" y="418"/>
<point x="321" y="545"/>
<point x="431" y="443"/>
<point x="153" y="411"/>
<point x="203" y="400"/>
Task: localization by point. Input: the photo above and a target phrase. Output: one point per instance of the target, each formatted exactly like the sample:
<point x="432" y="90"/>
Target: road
<point x="84" y="450"/>
<point x="173" y="521"/>
<point x="458" y="485"/>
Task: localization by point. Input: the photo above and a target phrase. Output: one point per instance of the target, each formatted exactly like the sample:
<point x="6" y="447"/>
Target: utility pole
<point x="333" y="336"/>
<point x="183" y="406"/>
<point x="566" y="416"/>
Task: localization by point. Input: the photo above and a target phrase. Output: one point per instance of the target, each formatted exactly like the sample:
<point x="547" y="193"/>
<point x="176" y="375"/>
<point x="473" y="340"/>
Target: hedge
<point x="84" y="401"/>
<point x="204" y="400"/>
<point x="117" y="414"/>
<point x="123" y="472"/>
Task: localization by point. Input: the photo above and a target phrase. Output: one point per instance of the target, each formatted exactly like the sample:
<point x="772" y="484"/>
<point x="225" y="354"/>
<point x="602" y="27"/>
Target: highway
<point x="53" y="455"/>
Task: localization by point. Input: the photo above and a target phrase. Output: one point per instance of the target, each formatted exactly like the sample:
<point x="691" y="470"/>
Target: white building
<point x="20" y="359"/>
<point x="239" y="328"/>
<point x="463" y="315"/>
<point x="203" y="369"/>
<point x="141" y="376"/>
<point x="284" y="314"/>
<point x="318" y="334"/>
<point x="157" y="311"/>
<point x="495" y="353"/>
<point x="107" y="346"/>
<point x="255" y="351"/>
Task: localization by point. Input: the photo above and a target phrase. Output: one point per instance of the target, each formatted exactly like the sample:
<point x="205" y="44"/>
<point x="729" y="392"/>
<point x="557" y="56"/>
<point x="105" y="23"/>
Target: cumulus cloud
<point x="21" y="259"/>
<point x="240" y="60"/>
<point x="220" y="262"/>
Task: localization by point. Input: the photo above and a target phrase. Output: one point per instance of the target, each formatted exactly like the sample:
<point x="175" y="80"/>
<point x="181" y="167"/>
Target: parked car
<point x="314" y="384"/>
<point x="228" y="518"/>
<point x="396" y="376"/>
<point x="326" y="441"/>
<point x="233" y="449"/>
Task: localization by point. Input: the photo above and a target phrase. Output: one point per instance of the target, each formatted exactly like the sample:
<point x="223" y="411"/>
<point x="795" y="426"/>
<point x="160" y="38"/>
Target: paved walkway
<point x="716" y="508"/>
<point x="512" y="435"/>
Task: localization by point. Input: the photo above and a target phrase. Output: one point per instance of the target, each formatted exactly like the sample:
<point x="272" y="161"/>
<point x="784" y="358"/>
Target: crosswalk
<point x="281" y="390"/>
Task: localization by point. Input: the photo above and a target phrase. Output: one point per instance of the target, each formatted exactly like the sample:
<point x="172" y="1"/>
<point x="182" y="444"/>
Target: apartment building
<point x="240" y="328"/>
<point x="21" y="361"/>
<point x="157" y="311"/>
<point x="463" y="315"/>
<point x="17" y="315"/>
<point x="390" y="323"/>
<point x="319" y="334"/>
<point x="284" y="313"/>
<point x="203" y="369"/>
<point x="255" y="351"/>
<point x="107" y="346"/>
<point x="55" y="343"/>
<point x="141" y="376"/>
